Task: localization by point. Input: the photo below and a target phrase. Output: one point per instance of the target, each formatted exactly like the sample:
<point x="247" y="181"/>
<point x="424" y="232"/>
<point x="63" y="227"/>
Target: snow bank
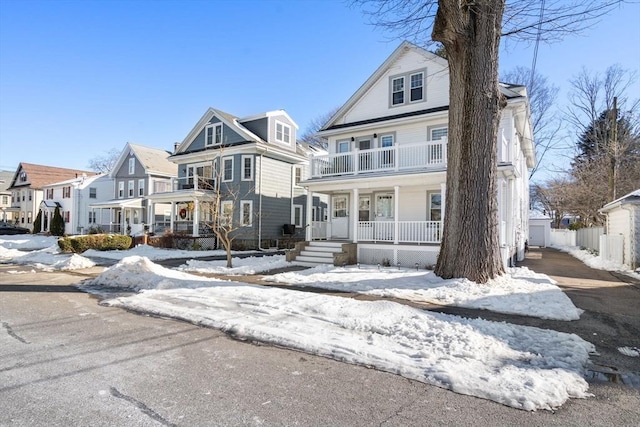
<point x="27" y="242"/>
<point x="523" y="367"/>
<point x="46" y="259"/>
<point x="241" y="266"/>
<point x="151" y="253"/>
<point x="520" y="291"/>
<point x="595" y="261"/>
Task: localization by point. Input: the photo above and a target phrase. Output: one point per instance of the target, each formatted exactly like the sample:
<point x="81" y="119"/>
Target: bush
<point x="576" y="225"/>
<point x="37" y="223"/>
<point x="99" y="242"/>
<point x="57" y="223"/>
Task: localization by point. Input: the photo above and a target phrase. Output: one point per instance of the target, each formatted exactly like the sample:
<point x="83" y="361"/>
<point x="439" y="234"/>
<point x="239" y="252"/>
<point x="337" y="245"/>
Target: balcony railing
<point x="426" y="155"/>
<point x="184" y="183"/>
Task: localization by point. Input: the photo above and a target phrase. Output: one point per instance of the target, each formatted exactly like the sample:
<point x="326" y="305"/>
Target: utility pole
<point x="613" y="148"/>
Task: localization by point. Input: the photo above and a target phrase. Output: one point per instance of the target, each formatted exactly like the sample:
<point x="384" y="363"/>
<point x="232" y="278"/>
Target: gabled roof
<point x="153" y="160"/>
<point x="631" y="198"/>
<point x="39" y="175"/>
<point x="226" y="118"/>
<point x="510" y="91"/>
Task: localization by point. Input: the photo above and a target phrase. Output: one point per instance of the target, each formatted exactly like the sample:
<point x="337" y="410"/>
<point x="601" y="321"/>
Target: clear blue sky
<point x="78" y="78"/>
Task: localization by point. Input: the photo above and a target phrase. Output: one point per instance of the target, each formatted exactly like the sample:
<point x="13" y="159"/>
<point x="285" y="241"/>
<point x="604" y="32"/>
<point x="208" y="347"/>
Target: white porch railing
<point x="184" y="183"/>
<point x="425" y="155"/>
<point x="384" y="231"/>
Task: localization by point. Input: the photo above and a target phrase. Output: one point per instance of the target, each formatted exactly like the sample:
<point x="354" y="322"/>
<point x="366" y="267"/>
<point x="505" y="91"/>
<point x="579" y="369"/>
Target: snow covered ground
<point x="47" y="259"/>
<point x="523" y="367"/>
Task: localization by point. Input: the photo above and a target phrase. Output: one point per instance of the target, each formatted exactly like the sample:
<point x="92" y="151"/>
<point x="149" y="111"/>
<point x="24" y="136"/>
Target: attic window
<point x="397" y="91"/>
<point x="283" y="133"/>
<point x="407" y="88"/>
<point x="23" y="176"/>
<point x="213" y="134"/>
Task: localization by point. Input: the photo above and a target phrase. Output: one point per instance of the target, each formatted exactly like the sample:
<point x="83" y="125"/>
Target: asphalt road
<point x="67" y="361"/>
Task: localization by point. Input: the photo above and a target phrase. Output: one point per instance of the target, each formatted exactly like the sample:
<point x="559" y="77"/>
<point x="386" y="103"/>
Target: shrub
<point x="57" y="223"/>
<point x="37" y="223"/>
<point x="576" y="225"/>
<point x="99" y="242"/>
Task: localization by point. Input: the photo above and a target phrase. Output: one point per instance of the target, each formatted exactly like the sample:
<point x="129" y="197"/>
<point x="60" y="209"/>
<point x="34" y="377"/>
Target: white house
<point x="73" y="197"/>
<point x="623" y="219"/>
<point x="385" y="171"/>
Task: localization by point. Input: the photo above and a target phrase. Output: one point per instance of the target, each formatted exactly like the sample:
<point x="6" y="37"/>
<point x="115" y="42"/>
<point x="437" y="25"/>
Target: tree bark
<point x="470" y="32"/>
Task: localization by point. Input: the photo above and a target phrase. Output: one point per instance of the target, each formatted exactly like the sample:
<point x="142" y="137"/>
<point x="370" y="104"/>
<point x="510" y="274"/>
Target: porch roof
<point x="376" y="180"/>
<point x="180" y="196"/>
<point x="119" y="203"/>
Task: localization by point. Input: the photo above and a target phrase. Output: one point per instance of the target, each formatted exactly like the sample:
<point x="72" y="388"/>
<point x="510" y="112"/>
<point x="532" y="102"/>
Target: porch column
<point x="308" y="232"/>
<point x="48" y="220"/>
<point x="196" y="218"/>
<point x="396" y="211"/>
<point x="173" y="215"/>
<point x="110" y="220"/>
<point x="355" y="213"/>
<point x="151" y="216"/>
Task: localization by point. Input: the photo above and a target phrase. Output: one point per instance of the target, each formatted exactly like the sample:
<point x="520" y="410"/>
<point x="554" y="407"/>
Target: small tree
<point x="104" y="162"/>
<point x="57" y="223"/>
<point x="37" y="223"/>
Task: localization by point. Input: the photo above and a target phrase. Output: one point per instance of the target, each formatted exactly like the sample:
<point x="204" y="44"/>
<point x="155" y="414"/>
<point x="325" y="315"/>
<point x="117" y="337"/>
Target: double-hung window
<point x="93" y="192"/>
<point x="247" y="168"/>
<point x="436" y="150"/>
<point x="417" y="87"/>
<point x="246" y="213"/>
<point x="227" y="172"/>
<point x="141" y="187"/>
<point x="397" y="91"/>
<point x="131" y="188"/>
<point x="213" y="134"/>
<point x="132" y="165"/>
<point x="226" y="213"/>
<point x="120" y="189"/>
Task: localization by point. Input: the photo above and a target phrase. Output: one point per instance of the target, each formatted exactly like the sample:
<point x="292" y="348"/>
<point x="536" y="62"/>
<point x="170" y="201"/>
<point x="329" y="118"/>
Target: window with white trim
<point x="407" y="88"/>
<point x="297" y="174"/>
<point x="439" y="133"/>
<point x="227" y="172"/>
<point x="92" y="217"/>
<point x="297" y="216"/>
<point x="226" y="213"/>
<point x="93" y="192"/>
<point x="141" y="187"/>
<point x="120" y="189"/>
<point x="66" y="192"/>
<point x="436" y="151"/>
<point x="132" y="165"/>
<point x="283" y="132"/>
<point x="213" y="134"/>
<point x="247" y="168"/>
<point x="246" y="213"/>
<point x="29" y="217"/>
<point x="131" y="188"/>
<point x="434" y="210"/>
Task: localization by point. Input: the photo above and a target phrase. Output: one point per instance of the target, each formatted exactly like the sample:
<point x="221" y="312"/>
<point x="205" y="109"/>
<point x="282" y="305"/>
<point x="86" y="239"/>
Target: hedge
<point x="100" y="242"/>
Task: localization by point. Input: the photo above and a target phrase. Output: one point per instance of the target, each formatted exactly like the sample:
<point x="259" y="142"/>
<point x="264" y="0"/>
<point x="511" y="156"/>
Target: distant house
<point x="385" y="170"/>
<point x="623" y="219"/>
<point x="254" y="164"/>
<point x="6" y="213"/>
<point x="73" y="197"/>
<point x="139" y="172"/>
<point x="27" y="188"/>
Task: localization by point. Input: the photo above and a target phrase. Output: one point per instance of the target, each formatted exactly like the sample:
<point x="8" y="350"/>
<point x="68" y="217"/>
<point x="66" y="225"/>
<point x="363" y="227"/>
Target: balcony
<point x="421" y="156"/>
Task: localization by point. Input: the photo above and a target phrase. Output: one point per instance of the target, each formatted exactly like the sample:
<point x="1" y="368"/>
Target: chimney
<point x="175" y="146"/>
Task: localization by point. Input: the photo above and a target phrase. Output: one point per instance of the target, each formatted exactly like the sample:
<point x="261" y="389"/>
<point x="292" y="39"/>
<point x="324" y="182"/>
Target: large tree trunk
<point x="470" y="32"/>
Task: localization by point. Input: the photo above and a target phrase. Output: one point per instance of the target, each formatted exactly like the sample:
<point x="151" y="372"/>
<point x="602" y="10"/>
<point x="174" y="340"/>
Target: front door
<point x="339" y="217"/>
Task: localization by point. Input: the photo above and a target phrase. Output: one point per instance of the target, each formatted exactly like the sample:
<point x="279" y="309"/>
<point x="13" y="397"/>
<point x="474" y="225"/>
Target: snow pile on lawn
<point x="520" y="291"/>
<point x="138" y="273"/>
<point x="46" y="259"/>
<point x="523" y="367"/>
<point x="151" y="252"/>
<point x="27" y="242"/>
<point x="249" y="265"/>
<point x="595" y="261"/>
<point x="630" y="351"/>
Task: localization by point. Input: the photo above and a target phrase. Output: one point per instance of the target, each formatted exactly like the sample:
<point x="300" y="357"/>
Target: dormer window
<point x="283" y="133"/>
<point x="23" y="176"/>
<point x="407" y="88"/>
<point x="213" y="134"/>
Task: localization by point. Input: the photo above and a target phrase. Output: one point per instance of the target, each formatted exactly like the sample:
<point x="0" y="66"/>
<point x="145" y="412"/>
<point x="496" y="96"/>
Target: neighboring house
<point x="73" y="197"/>
<point x="27" y="188"/>
<point x="254" y="164"/>
<point x="623" y="219"/>
<point x="6" y="214"/>
<point x="139" y="172"/>
<point x="385" y="171"/>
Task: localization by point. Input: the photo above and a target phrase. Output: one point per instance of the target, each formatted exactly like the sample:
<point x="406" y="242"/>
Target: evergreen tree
<point x="37" y="223"/>
<point x="57" y="223"/>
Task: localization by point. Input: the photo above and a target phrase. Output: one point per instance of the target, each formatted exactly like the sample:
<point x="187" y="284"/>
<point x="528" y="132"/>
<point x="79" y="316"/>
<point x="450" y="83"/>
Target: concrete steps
<point x="318" y="253"/>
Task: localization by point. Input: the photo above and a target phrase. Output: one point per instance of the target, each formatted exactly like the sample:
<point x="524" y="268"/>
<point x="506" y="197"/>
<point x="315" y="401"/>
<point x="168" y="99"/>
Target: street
<point x="66" y="360"/>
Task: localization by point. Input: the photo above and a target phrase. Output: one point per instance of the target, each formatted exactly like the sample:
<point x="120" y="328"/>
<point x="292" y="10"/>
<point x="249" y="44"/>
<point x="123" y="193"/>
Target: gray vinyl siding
<point x="123" y="172"/>
<point x="276" y="196"/>
<point x="260" y="127"/>
<point x="229" y="136"/>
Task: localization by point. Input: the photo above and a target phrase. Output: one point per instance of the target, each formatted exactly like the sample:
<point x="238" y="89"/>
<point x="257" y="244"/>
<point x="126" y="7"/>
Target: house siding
<point x="276" y="195"/>
<point x="260" y="127"/>
<point x="229" y="136"/>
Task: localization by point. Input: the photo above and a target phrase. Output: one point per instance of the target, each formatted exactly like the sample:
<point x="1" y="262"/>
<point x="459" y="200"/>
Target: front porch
<point x="420" y="232"/>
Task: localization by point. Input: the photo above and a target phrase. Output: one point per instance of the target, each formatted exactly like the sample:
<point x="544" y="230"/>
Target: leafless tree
<point x="104" y="162"/>
<point x="471" y="33"/>
<point x="310" y="135"/>
<point x="545" y="123"/>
